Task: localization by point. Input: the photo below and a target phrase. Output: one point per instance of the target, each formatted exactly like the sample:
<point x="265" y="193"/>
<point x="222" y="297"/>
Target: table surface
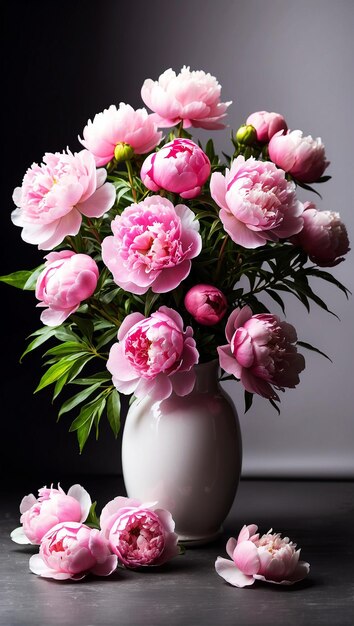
<point x="317" y="515"/>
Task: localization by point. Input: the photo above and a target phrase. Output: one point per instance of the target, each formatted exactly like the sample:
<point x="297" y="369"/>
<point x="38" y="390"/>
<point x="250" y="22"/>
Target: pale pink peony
<point x="180" y="166"/>
<point x="139" y="534"/>
<point x="206" y="303"/>
<point x="268" y="558"/>
<point x="124" y="125"/>
<point x="193" y="97"/>
<point x="67" y="280"/>
<point x="257" y="202"/>
<point x="261" y="352"/>
<point x="303" y="157"/>
<point x="72" y="550"/>
<point x="266" y="124"/>
<point x="56" y="194"/>
<point x="324" y="236"/>
<point x="152" y="245"/>
<point x="154" y="356"/>
<point x="52" y="506"/>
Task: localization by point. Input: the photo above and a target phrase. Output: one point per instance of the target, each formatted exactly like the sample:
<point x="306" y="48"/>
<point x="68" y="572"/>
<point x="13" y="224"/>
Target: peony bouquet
<point x="157" y="251"/>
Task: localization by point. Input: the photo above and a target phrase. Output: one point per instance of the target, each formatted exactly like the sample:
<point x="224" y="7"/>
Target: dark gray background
<point x="64" y="62"/>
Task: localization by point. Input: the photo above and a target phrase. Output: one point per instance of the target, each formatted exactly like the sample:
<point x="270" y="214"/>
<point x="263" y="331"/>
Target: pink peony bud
<point x="303" y="157"/>
<point x="139" y="534"/>
<point x="180" y="166"/>
<point x="268" y="558"/>
<point x="267" y="124"/>
<point x="324" y="236"/>
<point x="191" y="97"/>
<point x="55" y="195"/>
<point x="261" y="352"/>
<point x="207" y="304"/>
<point x="72" y="550"/>
<point x="120" y="126"/>
<point x="154" y="356"/>
<point x="257" y="202"/>
<point x="67" y="280"/>
<point x="52" y="506"/>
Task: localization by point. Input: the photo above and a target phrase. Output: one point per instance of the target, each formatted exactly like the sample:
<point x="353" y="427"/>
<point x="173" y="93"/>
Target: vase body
<point x="185" y="453"/>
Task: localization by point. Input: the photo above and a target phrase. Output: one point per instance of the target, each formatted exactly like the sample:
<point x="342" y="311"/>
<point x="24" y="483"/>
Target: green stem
<point x="221" y="257"/>
<point x="131" y="179"/>
<point x="93" y="230"/>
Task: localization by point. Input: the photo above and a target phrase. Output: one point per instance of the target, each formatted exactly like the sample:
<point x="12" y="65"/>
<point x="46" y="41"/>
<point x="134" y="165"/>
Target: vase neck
<point x="206" y="376"/>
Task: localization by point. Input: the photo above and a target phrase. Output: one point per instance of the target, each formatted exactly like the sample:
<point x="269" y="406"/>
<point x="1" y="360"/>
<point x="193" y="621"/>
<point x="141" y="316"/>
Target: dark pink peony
<point x="206" y="303"/>
<point x="303" y="157"/>
<point x="261" y="352"/>
<point x="154" y="356"/>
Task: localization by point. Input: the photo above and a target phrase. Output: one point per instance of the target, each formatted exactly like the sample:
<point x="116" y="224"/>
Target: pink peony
<point x="257" y="202"/>
<point x="152" y="245"/>
<point x="120" y="126"/>
<point x="180" y="166"/>
<point x="55" y="195"/>
<point x="67" y="280"/>
<point x="193" y="97"/>
<point x="72" y="550"/>
<point x="206" y="303"/>
<point x="52" y="506"/>
<point x="261" y="352"/>
<point x="154" y="356"/>
<point x="139" y="534"/>
<point x="269" y="558"/>
<point x="303" y="157"/>
<point x="324" y="236"/>
<point x="266" y="124"/>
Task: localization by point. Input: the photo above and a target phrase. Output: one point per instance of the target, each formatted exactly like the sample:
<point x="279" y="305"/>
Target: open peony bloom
<point x="72" y="550"/>
<point x="67" y="280"/>
<point x="268" y="558"/>
<point x="125" y="125"/>
<point x="257" y="202"/>
<point x="52" y="506"/>
<point x="206" y="303"/>
<point x="266" y="124"/>
<point x="324" y="236"/>
<point x="154" y="356"/>
<point x="139" y="534"/>
<point x="55" y="195"/>
<point x="152" y="245"/>
<point x="261" y="352"/>
<point x="180" y="166"/>
<point x="303" y="157"/>
<point x="191" y="97"/>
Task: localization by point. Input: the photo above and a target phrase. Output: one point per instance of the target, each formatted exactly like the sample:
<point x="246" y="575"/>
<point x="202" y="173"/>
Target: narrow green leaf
<point x="277" y="298"/>
<point x="248" y="400"/>
<point x="98" y="415"/>
<point x="67" y="348"/>
<point x="31" y="282"/>
<point x="308" y="346"/>
<point x="106" y="337"/>
<point x="274" y="405"/>
<point x="83" y="432"/>
<point x="54" y="373"/>
<point x="87" y="412"/>
<point x="63" y="333"/>
<point x="17" y="279"/>
<point x="59" y="385"/>
<point x="113" y="411"/>
<point x="92" y="519"/>
<point x="99" y="376"/>
<point x="41" y="337"/>
<point x="78" y="366"/>
<point x="329" y="278"/>
<point x="78" y="398"/>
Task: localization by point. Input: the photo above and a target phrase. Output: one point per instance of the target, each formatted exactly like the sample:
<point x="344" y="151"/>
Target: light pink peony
<point x="180" y="166"/>
<point x="67" y="280"/>
<point x="303" y="157"/>
<point x="268" y="558"/>
<point x="261" y="352"/>
<point x="52" y="506"/>
<point x="124" y="125"/>
<point x="257" y="202"/>
<point x="266" y="124"/>
<point x="193" y="97"/>
<point x="206" y="303"/>
<point x="324" y="236"/>
<point x="55" y="195"/>
<point x="72" y="550"/>
<point x="139" y="534"/>
<point x="152" y="245"/>
<point x="154" y="356"/>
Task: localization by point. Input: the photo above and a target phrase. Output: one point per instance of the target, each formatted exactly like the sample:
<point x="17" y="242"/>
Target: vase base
<point x="199" y="540"/>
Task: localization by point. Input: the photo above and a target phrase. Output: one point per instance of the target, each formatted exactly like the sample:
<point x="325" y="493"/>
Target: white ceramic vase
<point x="186" y="453"/>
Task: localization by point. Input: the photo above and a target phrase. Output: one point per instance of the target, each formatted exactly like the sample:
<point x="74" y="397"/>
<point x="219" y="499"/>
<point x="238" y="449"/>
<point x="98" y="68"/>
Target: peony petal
<point x="229" y="572"/>
<point x="27" y="502"/>
<point x="38" y="566"/>
<point x="18" y="536"/>
<point x="246" y="558"/>
<point x="231" y="545"/>
<point x="228" y="361"/>
<point x="107" y="567"/>
<point x="84" y="499"/>
<point x="100" y="202"/>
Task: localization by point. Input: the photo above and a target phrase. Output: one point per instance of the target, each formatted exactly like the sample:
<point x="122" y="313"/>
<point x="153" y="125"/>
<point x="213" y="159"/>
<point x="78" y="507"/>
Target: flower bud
<point x="123" y="152"/>
<point x="206" y="304"/>
<point x="246" y="135"/>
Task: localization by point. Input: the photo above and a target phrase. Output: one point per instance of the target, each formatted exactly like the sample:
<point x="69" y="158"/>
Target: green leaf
<point x="113" y="411"/>
<point x="42" y="335"/>
<point x="54" y="373"/>
<point x="92" y="519"/>
<point x="78" y="366"/>
<point x="106" y="337"/>
<point x="99" y="376"/>
<point x="277" y="298"/>
<point x="63" y="333"/>
<point x="274" y="405"/>
<point x="78" y="398"/>
<point x="17" y="279"/>
<point x="66" y="348"/>
<point x="248" y="400"/>
<point x="59" y="385"/>
<point x="329" y="278"/>
<point x="83" y="432"/>
<point x="308" y="346"/>
<point x="31" y="282"/>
